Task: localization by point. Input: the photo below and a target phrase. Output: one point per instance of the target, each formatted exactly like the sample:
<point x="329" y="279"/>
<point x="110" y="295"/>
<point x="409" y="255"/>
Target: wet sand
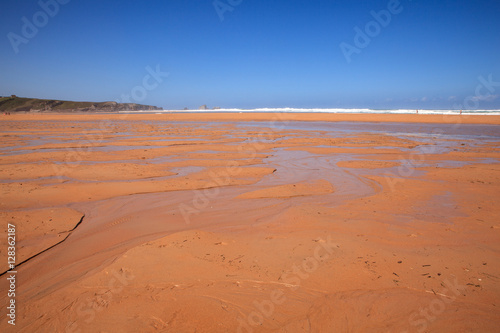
<point x="252" y="222"/>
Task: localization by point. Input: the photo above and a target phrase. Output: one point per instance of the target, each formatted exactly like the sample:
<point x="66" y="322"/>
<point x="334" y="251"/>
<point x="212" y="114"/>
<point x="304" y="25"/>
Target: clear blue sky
<point x="281" y="53"/>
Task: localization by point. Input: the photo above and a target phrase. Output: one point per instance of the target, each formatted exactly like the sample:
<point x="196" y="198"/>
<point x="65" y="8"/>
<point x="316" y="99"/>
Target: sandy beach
<point x="257" y="222"/>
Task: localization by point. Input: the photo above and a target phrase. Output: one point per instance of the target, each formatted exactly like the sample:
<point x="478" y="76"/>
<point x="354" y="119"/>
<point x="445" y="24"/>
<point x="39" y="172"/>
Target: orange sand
<point x="264" y="116"/>
<point x="209" y="226"/>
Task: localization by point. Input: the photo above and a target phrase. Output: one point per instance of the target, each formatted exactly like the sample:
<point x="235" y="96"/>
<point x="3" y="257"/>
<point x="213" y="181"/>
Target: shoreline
<point x="269" y="116"/>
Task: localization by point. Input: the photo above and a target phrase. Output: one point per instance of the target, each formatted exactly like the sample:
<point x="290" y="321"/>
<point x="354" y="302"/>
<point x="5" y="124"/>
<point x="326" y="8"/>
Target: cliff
<point x="21" y="104"/>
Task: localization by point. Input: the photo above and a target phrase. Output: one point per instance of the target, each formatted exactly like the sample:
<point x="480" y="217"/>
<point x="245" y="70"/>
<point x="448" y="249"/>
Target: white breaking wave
<point x="335" y="110"/>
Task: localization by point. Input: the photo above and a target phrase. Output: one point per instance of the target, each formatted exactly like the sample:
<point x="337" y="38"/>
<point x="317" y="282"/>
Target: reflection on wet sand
<point x="217" y="217"/>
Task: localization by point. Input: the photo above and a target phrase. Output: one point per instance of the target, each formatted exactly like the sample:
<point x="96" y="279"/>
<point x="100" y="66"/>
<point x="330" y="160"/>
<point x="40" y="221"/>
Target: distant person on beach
<point x="417" y="111"/>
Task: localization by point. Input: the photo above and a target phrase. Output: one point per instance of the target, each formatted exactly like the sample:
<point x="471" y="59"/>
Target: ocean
<point x="337" y="110"/>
